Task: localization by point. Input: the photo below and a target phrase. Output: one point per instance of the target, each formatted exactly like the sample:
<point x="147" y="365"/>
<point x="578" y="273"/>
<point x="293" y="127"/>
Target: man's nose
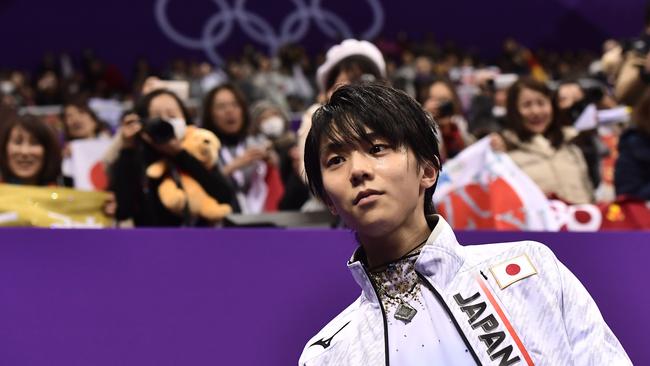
<point x="361" y="168"/>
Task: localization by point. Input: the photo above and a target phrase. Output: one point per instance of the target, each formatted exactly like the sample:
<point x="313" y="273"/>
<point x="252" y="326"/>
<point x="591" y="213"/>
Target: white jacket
<point x="545" y="318"/>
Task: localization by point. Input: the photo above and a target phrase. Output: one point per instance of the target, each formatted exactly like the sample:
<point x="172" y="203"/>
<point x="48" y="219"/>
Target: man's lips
<point x="366" y="193"/>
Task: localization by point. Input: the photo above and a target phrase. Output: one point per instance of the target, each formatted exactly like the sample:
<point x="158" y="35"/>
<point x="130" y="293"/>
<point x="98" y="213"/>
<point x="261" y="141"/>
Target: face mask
<point x="7" y="87"/>
<point x="272" y="126"/>
<point x="179" y="127"/>
<point x="498" y="111"/>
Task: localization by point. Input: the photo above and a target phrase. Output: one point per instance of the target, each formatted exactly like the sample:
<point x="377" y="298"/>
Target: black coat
<point x="137" y="196"/>
<point x="632" y="171"/>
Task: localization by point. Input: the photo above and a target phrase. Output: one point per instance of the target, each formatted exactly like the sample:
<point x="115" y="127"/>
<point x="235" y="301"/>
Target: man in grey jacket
<point x="372" y="157"/>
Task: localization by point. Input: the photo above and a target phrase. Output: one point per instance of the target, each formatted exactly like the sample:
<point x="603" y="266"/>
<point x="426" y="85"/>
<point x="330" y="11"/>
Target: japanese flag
<point x="513" y="270"/>
<point x="87" y="165"/>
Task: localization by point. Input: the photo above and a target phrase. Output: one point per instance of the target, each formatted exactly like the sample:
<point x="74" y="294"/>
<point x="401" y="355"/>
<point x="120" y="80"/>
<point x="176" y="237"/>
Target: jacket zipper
<point x="451" y="316"/>
<point x="383" y="317"/>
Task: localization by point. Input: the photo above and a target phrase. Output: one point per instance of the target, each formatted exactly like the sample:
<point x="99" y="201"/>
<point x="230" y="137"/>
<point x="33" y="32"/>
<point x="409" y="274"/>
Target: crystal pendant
<point x="405" y="312"/>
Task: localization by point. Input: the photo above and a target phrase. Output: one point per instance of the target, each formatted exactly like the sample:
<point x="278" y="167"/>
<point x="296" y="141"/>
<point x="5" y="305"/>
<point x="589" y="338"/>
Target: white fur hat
<point x="349" y="47"/>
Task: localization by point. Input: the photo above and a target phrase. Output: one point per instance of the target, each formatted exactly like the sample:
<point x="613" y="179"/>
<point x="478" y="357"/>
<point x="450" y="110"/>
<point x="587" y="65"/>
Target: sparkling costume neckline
<point x="398" y="285"/>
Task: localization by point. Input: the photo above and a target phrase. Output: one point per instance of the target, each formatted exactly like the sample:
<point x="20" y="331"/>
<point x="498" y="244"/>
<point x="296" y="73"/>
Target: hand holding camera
<point x="171" y="147"/>
<point x="162" y="135"/>
<point x="131" y="127"/>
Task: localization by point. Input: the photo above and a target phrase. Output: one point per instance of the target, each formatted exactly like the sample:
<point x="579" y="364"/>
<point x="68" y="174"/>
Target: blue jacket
<point x="632" y="171"/>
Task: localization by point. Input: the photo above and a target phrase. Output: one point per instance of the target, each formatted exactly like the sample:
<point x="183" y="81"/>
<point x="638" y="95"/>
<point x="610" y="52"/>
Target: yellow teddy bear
<point x="204" y="146"/>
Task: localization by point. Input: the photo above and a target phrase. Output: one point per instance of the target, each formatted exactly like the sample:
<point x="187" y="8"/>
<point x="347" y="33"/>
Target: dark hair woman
<point x="29" y="152"/>
<point x="536" y="141"/>
<point x="246" y="158"/>
<point x="442" y="101"/>
<point x="137" y="195"/>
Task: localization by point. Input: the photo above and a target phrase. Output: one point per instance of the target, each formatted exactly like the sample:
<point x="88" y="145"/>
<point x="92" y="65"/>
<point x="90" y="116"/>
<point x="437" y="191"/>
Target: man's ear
<point x="429" y="176"/>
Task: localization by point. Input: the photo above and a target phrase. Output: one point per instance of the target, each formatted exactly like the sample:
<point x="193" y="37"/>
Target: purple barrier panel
<point x="167" y="297"/>
<point x="232" y="297"/>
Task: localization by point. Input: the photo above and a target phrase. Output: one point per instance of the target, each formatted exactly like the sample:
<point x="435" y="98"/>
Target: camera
<point x="640" y="45"/>
<point x="445" y="109"/>
<point x="162" y="130"/>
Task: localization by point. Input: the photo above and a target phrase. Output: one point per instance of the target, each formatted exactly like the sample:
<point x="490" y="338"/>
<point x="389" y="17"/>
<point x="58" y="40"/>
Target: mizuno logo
<point x="325" y="342"/>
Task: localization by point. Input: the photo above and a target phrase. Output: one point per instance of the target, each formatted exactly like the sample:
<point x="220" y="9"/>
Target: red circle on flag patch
<point x="513" y="269"/>
<point x="98" y="176"/>
<point x="582" y="217"/>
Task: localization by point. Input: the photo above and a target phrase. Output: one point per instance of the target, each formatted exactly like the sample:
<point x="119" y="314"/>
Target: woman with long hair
<point x="30" y="153"/>
<point x="246" y="158"/>
<point x="538" y="143"/>
<point x="137" y="195"/>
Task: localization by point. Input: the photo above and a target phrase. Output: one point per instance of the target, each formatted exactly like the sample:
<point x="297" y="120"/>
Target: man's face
<point x="374" y="187"/>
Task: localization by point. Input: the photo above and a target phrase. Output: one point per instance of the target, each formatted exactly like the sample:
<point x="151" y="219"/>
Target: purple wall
<point x="122" y="30"/>
<point x="234" y="297"/>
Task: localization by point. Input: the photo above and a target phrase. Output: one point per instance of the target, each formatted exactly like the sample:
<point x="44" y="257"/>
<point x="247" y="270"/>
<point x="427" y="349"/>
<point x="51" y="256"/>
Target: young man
<point x="349" y="62"/>
<point x="372" y="157"/>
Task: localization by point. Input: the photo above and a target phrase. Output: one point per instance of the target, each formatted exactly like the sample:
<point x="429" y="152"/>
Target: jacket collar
<point x="539" y="144"/>
<point x="439" y="260"/>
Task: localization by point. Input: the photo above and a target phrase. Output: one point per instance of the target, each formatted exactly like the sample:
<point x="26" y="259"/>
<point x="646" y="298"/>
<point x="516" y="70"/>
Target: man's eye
<point x="375" y="149"/>
<point x="334" y="161"/>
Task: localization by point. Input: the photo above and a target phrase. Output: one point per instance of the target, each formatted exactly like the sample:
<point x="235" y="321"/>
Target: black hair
<point x="45" y="135"/>
<point x="515" y="121"/>
<point x="126" y="112"/>
<point x="82" y="106"/>
<point x="142" y="107"/>
<point x="567" y="116"/>
<point x="388" y="112"/>
<point x="641" y="113"/>
<point x="563" y="82"/>
<point x="425" y="92"/>
<point x="356" y="66"/>
<point x="208" y="122"/>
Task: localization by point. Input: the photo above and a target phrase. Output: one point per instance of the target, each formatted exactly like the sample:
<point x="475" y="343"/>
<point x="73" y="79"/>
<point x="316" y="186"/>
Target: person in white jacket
<point x="372" y="157"/>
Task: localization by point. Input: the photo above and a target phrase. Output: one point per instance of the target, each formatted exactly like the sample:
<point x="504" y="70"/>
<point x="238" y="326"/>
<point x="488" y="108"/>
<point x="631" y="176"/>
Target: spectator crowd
<point x="195" y="142"/>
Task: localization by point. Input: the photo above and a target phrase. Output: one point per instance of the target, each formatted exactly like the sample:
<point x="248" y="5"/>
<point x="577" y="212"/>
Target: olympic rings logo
<point x="293" y="28"/>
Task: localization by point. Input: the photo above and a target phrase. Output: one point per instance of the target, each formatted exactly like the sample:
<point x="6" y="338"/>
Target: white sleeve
<point x="592" y="341"/>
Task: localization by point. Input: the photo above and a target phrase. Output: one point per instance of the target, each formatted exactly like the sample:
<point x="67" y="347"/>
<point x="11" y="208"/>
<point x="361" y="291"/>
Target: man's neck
<point x="389" y="247"/>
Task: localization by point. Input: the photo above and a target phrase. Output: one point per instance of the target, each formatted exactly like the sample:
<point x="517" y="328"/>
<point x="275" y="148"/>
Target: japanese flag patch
<point x="513" y="270"/>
